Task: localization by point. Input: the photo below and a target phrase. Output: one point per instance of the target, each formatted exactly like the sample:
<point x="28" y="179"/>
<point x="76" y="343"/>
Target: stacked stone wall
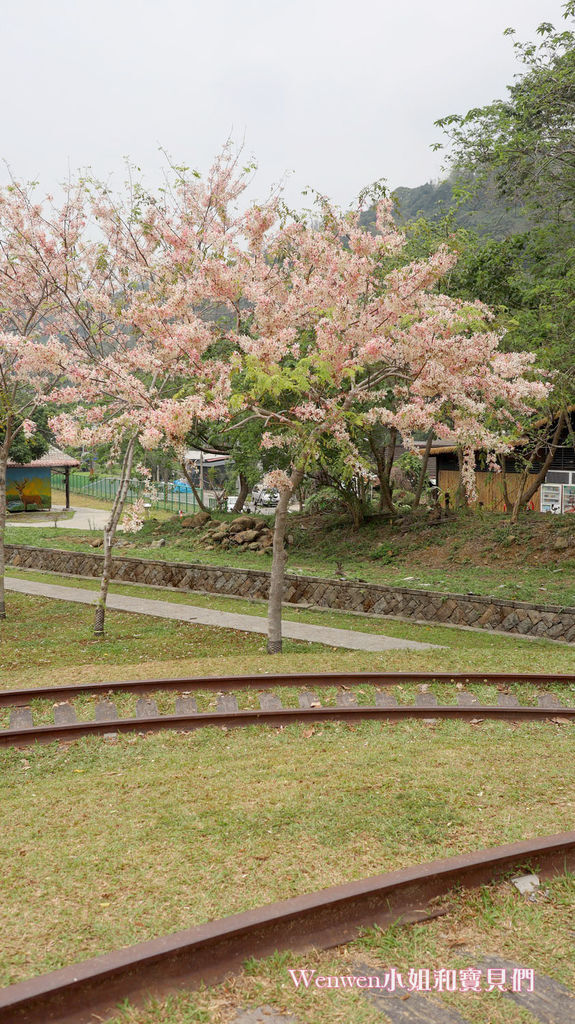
<point x="551" y="621"/>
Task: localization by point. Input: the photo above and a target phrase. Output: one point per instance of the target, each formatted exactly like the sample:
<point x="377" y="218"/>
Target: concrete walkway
<point x="347" y="638"/>
<point x="82" y="519"/>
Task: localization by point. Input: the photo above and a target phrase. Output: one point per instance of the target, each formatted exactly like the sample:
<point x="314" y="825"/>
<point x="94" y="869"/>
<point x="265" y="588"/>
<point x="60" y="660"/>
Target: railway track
<point x="84" y="993"/>
<point x="186" y="716"/>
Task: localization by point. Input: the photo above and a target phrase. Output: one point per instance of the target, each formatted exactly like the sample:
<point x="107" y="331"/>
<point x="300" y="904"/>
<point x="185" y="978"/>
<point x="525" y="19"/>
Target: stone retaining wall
<point x="550" y="621"/>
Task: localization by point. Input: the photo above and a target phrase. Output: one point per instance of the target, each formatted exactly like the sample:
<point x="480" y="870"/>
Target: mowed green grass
<point x="62" y="640"/>
<point x="533" y="934"/>
<point x="47" y="641"/>
<point x="105" y="845"/>
<point x="42" y="634"/>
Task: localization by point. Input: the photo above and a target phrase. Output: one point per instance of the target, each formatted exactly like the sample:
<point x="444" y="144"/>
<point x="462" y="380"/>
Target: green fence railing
<point x="105" y="488"/>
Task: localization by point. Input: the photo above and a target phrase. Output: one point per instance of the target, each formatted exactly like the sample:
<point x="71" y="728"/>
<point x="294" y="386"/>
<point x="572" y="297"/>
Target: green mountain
<point x="485" y="212"/>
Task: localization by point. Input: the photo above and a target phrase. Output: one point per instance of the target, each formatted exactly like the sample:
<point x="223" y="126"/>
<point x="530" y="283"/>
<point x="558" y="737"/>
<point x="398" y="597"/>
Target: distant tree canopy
<point x="508" y="206"/>
<point x="524" y="144"/>
<point x="24" y="450"/>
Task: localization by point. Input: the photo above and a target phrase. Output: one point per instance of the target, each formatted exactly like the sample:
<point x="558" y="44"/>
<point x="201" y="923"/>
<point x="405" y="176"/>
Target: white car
<point x="268" y="497"/>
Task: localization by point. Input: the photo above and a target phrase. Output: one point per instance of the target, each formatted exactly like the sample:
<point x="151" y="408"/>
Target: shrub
<point x="384" y="553"/>
<point x="403" y="498"/>
<point x="324" y="500"/>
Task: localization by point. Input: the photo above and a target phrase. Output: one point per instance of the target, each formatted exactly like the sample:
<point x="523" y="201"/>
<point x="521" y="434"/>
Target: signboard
<point x="569" y="497"/>
<point x="551" y="498"/>
<point x="28" y="488"/>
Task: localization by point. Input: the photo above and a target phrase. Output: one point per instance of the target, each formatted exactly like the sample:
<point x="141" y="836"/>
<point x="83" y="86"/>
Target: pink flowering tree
<point x="33" y="362"/>
<point x="30" y="370"/>
<point x="129" y="318"/>
<point x="331" y="343"/>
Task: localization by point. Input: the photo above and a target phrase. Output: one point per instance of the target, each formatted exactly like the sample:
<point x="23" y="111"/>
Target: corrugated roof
<point x="52" y="459"/>
<point x="439" y="447"/>
<point x="448" y="445"/>
<point x="194" y="455"/>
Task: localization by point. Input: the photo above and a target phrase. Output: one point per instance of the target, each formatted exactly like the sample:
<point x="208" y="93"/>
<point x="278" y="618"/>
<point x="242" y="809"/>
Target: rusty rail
<point x="10" y="698"/>
<point x="87" y="992"/>
<point x="278" y="718"/>
<point x="107" y="721"/>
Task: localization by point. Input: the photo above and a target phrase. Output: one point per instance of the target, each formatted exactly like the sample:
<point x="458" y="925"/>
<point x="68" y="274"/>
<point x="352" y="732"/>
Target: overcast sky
<point x="333" y="93"/>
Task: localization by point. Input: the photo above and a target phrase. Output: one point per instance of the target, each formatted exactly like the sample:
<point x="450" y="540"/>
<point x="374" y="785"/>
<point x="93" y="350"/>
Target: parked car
<point x="268" y="497"/>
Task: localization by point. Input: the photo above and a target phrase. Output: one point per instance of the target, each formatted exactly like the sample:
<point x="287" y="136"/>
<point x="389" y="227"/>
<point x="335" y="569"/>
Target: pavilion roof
<point x="52" y="459"/>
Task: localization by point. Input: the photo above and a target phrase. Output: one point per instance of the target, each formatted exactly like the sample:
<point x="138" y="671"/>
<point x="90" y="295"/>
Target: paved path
<point x="349" y="638"/>
<point x="83" y="519"/>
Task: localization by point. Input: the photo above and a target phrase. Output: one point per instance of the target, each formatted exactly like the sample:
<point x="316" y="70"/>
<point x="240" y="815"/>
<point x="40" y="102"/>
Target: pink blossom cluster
<point x="133" y="518"/>
<point x="346" y="346"/>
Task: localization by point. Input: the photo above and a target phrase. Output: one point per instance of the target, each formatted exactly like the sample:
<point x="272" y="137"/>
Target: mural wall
<point x="28" y="488"/>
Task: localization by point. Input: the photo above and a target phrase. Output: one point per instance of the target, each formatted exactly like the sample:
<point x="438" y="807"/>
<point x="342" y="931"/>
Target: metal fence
<point x="105" y="488"/>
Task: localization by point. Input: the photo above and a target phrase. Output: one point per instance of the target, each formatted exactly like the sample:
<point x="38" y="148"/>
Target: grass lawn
<point x="60" y="642"/>
<point x="481" y="553"/>
<point x="108" y="845"/>
<point x="494" y="920"/>
<point x="87" y="501"/>
<point x="140" y="646"/>
<point x="79" y="500"/>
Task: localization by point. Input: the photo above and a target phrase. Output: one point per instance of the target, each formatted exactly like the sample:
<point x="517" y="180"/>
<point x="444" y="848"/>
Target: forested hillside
<point x="485" y="212"/>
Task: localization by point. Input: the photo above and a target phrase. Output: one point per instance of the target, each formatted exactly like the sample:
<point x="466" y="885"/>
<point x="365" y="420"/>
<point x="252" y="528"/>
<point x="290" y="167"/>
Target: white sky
<point x="336" y="93"/>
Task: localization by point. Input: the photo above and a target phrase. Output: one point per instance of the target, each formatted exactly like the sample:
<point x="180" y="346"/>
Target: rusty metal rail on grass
<point x="90" y="991"/>
<point x="10" y="698"/>
<point x="187" y="717"/>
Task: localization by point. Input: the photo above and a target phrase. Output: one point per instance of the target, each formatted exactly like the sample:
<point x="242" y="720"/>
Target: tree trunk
<point x="244" y="491"/>
<point x="3" y="464"/>
<point x="357" y="514"/>
<point x="423" y="473"/>
<point x="195" y="491"/>
<point x="385" y="495"/>
<point x="385" y="498"/>
<point x="110" y="535"/>
<point x="355" y="507"/>
<point x="460" y="494"/>
<point x="525" y="494"/>
<point x="506" y="498"/>
<point x="384" y="462"/>
<point x="278" y="565"/>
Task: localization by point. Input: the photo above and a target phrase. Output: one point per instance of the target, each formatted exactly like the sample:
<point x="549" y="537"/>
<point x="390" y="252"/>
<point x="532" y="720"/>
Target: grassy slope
<point x="479" y="553"/>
